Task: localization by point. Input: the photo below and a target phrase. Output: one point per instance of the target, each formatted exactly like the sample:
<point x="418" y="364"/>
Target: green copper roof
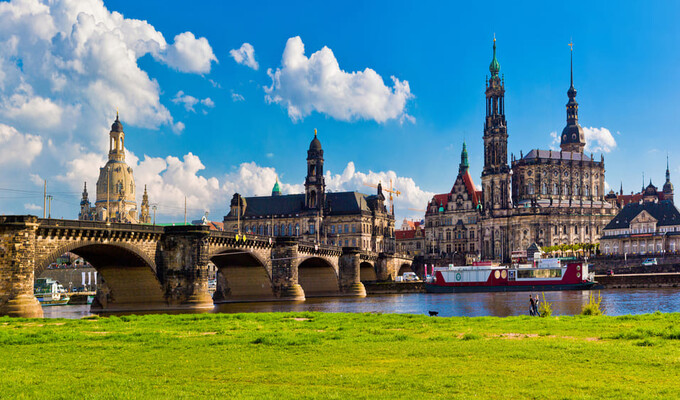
<point x="464" y="158"/>
<point x="495" y="66"/>
<point x="276" y="188"/>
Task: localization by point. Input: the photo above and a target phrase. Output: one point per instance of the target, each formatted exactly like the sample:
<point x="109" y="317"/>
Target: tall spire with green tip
<point x="464" y="165"/>
<point x="495" y="66"/>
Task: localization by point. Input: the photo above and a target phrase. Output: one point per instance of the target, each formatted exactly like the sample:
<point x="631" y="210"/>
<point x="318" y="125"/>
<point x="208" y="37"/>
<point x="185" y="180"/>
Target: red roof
<point x="408" y="234"/>
<point x="475" y="195"/>
<point x="624" y="199"/>
<point x="216" y="226"/>
<point x="470" y="186"/>
<point x="412" y="224"/>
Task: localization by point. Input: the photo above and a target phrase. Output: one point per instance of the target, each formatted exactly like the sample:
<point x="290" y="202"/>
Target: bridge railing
<point x="77" y="224"/>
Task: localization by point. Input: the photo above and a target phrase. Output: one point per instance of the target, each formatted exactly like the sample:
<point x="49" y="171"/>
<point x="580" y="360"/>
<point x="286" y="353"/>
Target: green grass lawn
<point x="344" y="356"/>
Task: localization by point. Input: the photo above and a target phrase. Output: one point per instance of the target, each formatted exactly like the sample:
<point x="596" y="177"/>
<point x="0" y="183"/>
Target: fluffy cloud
<point x="18" y="148"/>
<point x="598" y="140"/>
<point x="412" y="196"/>
<point x="245" y="55"/>
<point x="317" y="83"/>
<point x="189" y="54"/>
<point x="65" y="67"/>
<point x="235" y="97"/>
<point x="190" y="101"/>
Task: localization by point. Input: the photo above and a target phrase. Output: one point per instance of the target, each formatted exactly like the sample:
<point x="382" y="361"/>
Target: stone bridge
<point x="146" y="267"/>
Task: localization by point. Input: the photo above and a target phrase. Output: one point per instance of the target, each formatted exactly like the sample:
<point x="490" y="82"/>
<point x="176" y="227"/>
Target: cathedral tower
<point x="464" y="165"/>
<point x="116" y="200"/>
<point x="668" y="186"/>
<point x="315" y="187"/>
<point x="495" y="175"/>
<point x="573" y="138"/>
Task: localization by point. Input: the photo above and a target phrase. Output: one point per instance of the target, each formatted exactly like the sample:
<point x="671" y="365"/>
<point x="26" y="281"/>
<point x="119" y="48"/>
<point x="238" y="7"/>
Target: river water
<point x="614" y="302"/>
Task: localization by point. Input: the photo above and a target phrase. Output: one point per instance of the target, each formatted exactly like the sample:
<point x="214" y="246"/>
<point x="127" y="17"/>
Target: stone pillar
<point x="184" y="270"/>
<point x="350" y="272"/>
<point x="384" y="267"/>
<point x="17" y="265"/>
<point x="285" y="262"/>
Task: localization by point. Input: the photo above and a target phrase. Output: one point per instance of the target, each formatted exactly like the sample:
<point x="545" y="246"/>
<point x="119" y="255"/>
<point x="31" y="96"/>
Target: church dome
<point x="315" y="145"/>
<point x="117" y="125"/>
<point x="573" y="133"/>
<point x="650" y="190"/>
<point x="121" y="183"/>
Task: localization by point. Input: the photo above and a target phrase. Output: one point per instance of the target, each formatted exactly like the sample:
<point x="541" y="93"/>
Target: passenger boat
<point x="540" y="275"/>
<point x="50" y="292"/>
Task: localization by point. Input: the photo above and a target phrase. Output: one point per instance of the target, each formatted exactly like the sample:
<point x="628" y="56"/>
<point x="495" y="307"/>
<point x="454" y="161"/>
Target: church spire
<point x="464" y="165"/>
<point x="495" y="66"/>
<point x="573" y="138"/>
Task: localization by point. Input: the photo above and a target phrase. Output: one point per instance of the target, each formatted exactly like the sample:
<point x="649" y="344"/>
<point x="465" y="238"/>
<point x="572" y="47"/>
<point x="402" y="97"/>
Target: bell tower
<point x="573" y="138"/>
<point x="496" y="172"/>
<point x="315" y="187"/>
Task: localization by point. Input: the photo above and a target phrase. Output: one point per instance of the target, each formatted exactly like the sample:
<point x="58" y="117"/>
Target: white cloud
<point x="32" y="207"/>
<point x="235" y="97"/>
<point x="412" y="196"/>
<point x="189" y="101"/>
<point x="189" y="54"/>
<point x="18" y="148"/>
<point x="303" y="85"/>
<point x="599" y="140"/>
<point x="245" y="55"/>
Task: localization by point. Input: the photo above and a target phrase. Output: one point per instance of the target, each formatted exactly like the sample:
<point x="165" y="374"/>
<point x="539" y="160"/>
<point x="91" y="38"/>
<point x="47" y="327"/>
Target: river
<point x="614" y="302"/>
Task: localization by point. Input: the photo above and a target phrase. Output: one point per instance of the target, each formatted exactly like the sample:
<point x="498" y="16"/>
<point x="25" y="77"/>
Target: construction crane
<point x="391" y="190"/>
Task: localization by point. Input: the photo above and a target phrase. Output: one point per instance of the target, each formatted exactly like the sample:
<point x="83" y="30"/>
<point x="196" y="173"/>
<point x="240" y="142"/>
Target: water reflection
<point x="614" y="301"/>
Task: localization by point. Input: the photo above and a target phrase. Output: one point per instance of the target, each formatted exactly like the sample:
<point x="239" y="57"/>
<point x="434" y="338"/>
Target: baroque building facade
<point x="650" y="225"/>
<point x="348" y="219"/>
<point x="547" y="197"/>
<point x="116" y="191"/>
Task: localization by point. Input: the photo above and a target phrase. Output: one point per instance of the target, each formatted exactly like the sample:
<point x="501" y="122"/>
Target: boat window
<point x="539" y="273"/>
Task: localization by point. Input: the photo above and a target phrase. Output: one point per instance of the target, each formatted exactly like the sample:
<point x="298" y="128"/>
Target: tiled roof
<point x="556" y="155"/>
<point x="291" y="204"/>
<point x="664" y="212"/>
<point x="409" y="234"/>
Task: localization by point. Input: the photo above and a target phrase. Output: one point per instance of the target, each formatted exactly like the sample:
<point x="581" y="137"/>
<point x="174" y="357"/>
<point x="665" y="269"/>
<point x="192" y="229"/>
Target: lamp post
<point x="154" y="207"/>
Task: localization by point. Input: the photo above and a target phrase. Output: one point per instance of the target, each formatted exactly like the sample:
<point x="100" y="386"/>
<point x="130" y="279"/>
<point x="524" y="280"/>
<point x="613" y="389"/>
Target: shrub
<point x="593" y="306"/>
<point x="545" y="309"/>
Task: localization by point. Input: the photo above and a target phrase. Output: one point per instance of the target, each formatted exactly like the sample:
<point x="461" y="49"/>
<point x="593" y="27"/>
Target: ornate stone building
<point x="546" y="197"/>
<point x="348" y="219"/>
<point x="648" y="226"/>
<point x="116" y="201"/>
<point x="452" y="219"/>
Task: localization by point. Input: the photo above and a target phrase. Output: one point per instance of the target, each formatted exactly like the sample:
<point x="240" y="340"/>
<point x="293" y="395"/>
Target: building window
<point x="472" y="234"/>
<point x="312" y="228"/>
<point x="566" y="190"/>
<point x="575" y="229"/>
<point x="555" y="229"/>
<point x="346" y="228"/>
<point x="544" y="188"/>
<point x="555" y="191"/>
<point x="576" y="191"/>
<point x="564" y="229"/>
<point x="282" y="230"/>
<point x="333" y="229"/>
<point x="297" y="229"/>
<point x="595" y="190"/>
<point x="586" y="191"/>
<point x="530" y="188"/>
<point x="260" y="230"/>
<point x="354" y="228"/>
<point x="354" y="243"/>
<point x="276" y="230"/>
<point x="448" y="248"/>
<point x="448" y="235"/>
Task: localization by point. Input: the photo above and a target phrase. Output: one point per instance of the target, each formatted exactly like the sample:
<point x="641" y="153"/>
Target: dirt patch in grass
<point x="208" y="333"/>
<point x="300" y="319"/>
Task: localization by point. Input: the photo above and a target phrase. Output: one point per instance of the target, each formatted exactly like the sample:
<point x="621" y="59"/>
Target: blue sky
<point x="625" y="61"/>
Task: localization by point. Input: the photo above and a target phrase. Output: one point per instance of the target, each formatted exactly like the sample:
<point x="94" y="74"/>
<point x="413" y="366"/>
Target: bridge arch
<point x="367" y="272"/>
<point x="405" y="267"/>
<point x="127" y="274"/>
<point x="242" y="275"/>
<point x="318" y="277"/>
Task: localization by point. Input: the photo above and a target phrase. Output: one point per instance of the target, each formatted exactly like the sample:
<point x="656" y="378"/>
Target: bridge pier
<point x="350" y="272"/>
<point x="285" y="262"/>
<point x="17" y="262"/>
<point x="184" y="267"/>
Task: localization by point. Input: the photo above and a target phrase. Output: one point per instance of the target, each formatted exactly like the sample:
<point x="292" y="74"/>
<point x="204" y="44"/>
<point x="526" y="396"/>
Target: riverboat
<point x="50" y="292"/>
<point x="540" y="275"/>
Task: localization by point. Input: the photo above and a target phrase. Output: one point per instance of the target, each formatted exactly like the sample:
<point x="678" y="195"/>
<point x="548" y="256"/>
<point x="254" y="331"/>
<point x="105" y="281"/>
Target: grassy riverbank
<point x="316" y="355"/>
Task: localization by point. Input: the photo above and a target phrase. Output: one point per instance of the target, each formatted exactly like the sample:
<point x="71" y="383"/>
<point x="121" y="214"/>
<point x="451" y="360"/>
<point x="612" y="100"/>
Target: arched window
<point x="530" y="188"/>
<point x="297" y="229"/>
<point x="276" y="230"/>
<point x="595" y="191"/>
<point x="566" y="190"/>
<point x="260" y="230"/>
<point x="289" y="232"/>
<point x="282" y="230"/>
<point x="544" y="188"/>
<point x="448" y="235"/>
<point x="586" y="191"/>
<point x="556" y="190"/>
<point x="576" y="191"/>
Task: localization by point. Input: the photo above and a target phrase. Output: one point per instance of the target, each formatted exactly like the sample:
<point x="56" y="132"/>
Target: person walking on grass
<point x="536" y="313"/>
<point x="532" y="305"/>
